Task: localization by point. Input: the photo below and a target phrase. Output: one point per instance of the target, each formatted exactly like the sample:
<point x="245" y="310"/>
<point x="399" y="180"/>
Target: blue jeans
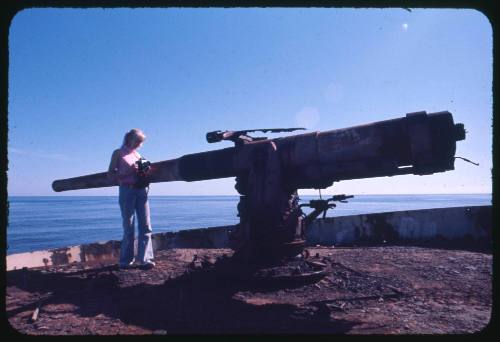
<point x="135" y="201"/>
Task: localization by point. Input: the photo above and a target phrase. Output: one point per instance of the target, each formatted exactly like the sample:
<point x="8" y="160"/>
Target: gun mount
<point x="270" y="171"/>
<point x="321" y="206"/>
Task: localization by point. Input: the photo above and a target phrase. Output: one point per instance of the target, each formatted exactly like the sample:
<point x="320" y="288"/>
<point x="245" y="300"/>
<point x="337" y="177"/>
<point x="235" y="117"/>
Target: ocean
<point x="44" y="222"/>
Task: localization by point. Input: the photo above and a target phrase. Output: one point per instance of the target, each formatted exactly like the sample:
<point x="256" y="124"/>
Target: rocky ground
<point x="367" y="290"/>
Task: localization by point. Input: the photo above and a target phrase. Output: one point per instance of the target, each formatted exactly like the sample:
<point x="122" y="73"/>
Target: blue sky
<point x="80" y="78"/>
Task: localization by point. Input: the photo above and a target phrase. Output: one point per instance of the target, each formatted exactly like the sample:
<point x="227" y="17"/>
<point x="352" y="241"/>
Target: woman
<point x="132" y="199"/>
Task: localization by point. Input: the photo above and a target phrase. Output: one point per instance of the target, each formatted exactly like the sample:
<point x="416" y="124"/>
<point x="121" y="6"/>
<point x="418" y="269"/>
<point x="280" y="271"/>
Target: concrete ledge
<point x="213" y="237"/>
<point x="464" y="226"/>
<point x="453" y="226"/>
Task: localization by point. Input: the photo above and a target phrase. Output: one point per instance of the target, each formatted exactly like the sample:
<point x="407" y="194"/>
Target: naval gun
<point x="270" y="171"/>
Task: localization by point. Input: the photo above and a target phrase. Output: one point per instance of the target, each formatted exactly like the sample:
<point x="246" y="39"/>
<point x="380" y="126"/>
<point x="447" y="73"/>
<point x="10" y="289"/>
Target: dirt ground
<point x="367" y="290"/>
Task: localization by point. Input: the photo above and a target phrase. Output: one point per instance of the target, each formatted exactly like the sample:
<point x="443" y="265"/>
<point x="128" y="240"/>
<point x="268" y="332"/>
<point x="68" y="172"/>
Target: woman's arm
<point x="113" y="165"/>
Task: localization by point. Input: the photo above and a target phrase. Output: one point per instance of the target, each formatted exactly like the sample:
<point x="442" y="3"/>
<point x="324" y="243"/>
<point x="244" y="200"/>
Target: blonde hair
<point x="134" y="134"/>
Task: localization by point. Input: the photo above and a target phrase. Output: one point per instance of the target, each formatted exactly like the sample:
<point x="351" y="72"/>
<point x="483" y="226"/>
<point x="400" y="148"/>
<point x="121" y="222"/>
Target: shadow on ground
<point x="195" y="302"/>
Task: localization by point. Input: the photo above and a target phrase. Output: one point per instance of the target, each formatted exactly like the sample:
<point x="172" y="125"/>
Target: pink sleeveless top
<point x="126" y="165"/>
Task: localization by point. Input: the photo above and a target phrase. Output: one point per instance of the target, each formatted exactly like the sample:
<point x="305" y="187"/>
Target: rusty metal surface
<point x="96" y="180"/>
<point x="164" y="171"/>
<point x="422" y="143"/>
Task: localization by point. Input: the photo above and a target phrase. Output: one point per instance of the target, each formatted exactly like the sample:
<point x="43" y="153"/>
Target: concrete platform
<point x="367" y="290"/>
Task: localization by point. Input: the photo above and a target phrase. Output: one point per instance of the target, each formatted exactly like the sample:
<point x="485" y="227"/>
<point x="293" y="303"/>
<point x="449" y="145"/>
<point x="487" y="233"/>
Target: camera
<point x="143" y="165"/>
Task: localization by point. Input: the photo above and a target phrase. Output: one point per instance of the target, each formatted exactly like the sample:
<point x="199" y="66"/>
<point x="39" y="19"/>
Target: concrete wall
<point x="452" y="226"/>
<point x="464" y="226"/>
<point x="213" y="237"/>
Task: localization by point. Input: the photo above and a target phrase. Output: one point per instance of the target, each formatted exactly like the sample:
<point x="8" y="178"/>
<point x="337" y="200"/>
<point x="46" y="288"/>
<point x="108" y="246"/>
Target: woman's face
<point x="135" y="144"/>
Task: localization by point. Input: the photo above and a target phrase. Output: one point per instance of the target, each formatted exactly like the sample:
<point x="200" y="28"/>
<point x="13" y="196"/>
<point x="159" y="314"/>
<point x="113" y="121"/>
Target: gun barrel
<point x="96" y="180"/>
<point x="418" y="143"/>
<point x="164" y="171"/>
